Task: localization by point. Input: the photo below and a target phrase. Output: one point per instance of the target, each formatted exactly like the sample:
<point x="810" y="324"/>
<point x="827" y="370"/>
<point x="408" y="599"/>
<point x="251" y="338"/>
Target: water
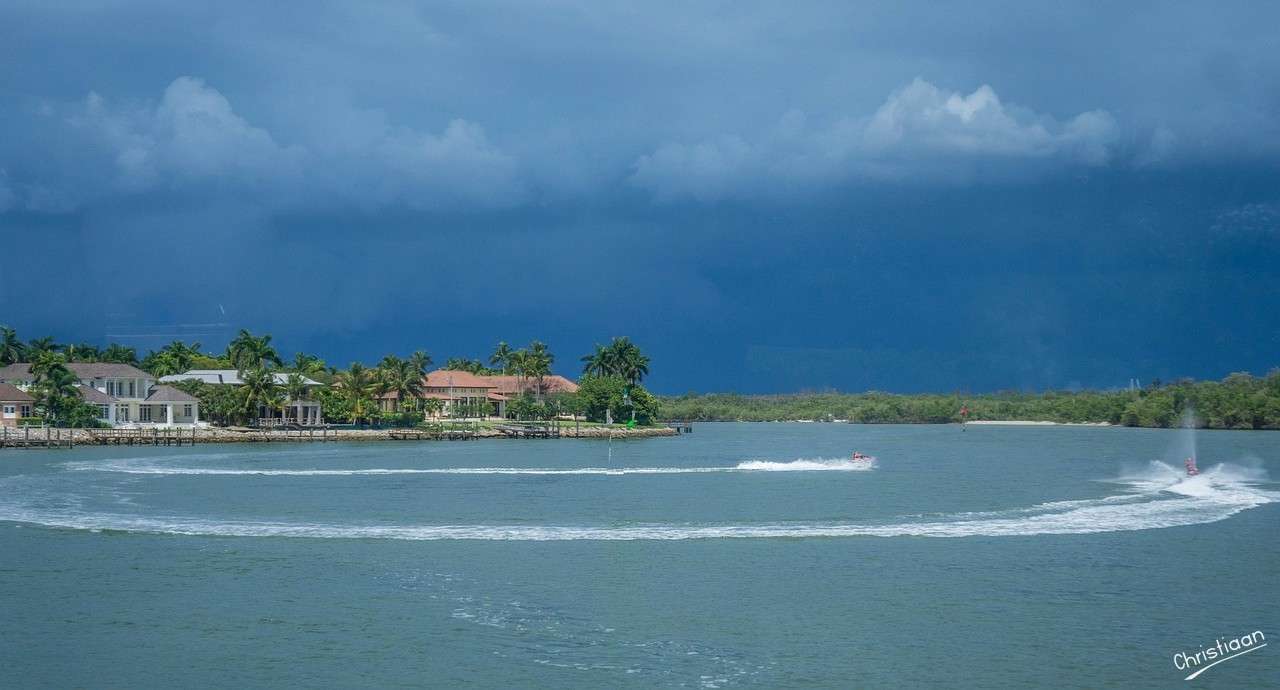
<point x="740" y="556"/>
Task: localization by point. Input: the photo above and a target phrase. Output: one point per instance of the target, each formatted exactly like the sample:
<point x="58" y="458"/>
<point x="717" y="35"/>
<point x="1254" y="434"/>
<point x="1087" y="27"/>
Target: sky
<point x="766" y="197"/>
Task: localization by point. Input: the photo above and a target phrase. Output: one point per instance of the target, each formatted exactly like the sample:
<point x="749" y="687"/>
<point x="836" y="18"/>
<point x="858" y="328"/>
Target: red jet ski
<point x="860" y="457"/>
<point x="1192" y="470"/>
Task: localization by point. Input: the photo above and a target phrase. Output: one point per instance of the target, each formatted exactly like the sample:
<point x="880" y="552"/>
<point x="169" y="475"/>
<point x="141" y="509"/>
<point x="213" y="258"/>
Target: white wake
<point x="136" y="466"/>
<point x="1158" y="497"/>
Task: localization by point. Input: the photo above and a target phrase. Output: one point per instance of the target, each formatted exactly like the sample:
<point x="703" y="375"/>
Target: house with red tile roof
<point x="457" y="390"/>
<point x="508" y="388"/>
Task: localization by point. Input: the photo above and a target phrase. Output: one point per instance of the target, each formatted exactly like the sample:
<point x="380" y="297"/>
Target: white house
<point x="125" y="395"/>
<point x="304" y="412"/>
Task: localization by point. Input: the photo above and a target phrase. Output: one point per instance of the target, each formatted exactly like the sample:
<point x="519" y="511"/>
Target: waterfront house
<point x="125" y="395"/>
<point x="459" y="389"/>
<point x="303" y="412"/>
<point x="456" y="390"/>
<point x="14" y="404"/>
<point x="508" y="388"/>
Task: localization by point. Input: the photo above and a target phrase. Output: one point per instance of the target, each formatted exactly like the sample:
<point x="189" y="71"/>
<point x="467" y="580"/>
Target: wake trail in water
<point x="149" y="468"/>
<point x="1156" y="498"/>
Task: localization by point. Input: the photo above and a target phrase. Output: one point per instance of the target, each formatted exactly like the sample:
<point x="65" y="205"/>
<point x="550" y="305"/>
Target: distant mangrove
<point x="1239" y="401"/>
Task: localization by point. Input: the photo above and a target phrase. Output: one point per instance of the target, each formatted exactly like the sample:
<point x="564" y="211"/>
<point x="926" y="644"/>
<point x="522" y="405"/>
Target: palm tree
<point x="473" y="366"/>
<point x="247" y="351"/>
<point x="401" y="377"/>
<point x="307" y="365"/>
<point x="175" y="358"/>
<point x="501" y="357"/>
<point x="295" y="390"/>
<point x="356" y="385"/>
<point x="35" y="346"/>
<point x="258" y="389"/>
<point x="538" y="364"/>
<point x="295" y="387"/>
<point x="628" y="361"/>
<point x="539" y="348"/>
<point x="56" y="389"/>
<point x="597" y="363"/>
<point x="83" y="352"/>
<point x="120" y="354"/>
<point x="420" y="360"/>
<point x="162" y="363"/>
<point x="11" y="349"/>
<point x="519" y="364"/>
<point x="382" y="374"/>
<point x="46" y="362"/>
<point x="183" y="355"/>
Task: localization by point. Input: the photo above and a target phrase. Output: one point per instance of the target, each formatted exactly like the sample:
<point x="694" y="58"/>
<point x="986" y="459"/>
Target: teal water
<point x="739" y="556"/>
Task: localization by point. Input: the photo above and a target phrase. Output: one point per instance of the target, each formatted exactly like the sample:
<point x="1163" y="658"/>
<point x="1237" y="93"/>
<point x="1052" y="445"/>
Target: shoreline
<point x="1022" y="422"/>
<point x="168" y="437"/>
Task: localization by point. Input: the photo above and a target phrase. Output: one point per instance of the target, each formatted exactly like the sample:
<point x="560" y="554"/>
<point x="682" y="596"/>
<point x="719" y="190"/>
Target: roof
<point x="21" y="371"/>
<point x="511" y="385"/>
<point x="425" y="395"/>
<point x="15" y="372"/>
<point x="445" y="378"/>
<point x="170" y="394"/>
<point x="92" y="395"/>
<point x="227" y="377"/>
<point x="11" y="393"/>
<point x="101" y="370"/>
<point x="462" y="392"/>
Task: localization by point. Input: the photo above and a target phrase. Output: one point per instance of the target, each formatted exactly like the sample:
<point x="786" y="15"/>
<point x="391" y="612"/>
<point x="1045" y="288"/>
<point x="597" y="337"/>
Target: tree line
<point x="1239" y="401"/>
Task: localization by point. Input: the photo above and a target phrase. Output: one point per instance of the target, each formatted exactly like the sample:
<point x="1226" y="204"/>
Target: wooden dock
<point x="410" y="435"/>
<point x="304" y="434"/>
<point x="529" y="430"/>
<point x="437" y="431"/>
<point x="141" y="437"/>
<point x="681" y="427"/>
<point x="36" y="437"/>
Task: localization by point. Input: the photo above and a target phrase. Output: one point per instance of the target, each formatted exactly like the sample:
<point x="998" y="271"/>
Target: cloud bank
<point x="192" y="140"/>
<point x="919" y="132"/>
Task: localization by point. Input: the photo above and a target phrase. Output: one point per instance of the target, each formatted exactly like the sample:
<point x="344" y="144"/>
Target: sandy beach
<point x="1018" y="422"/>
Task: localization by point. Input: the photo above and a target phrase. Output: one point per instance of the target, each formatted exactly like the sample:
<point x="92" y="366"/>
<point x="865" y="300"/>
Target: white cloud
<point x="194" y="135"/>
<point x="707" y="171"/>
<point x="920" y="131"/>
<point x="458" y="165"/>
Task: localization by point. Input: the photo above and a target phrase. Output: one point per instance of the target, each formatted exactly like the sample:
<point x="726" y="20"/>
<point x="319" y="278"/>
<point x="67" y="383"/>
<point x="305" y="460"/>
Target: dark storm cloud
<point x="826" y="195"/>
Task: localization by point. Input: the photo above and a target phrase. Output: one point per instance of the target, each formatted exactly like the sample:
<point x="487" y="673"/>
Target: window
<point x="26" y="410"/>
<point x="133" y="392"/>
<point x="102" y="412"/>
<point x="186" y="410"/>
<point x="122" y="413"/>
<point x="10" y="410"/>
<point x="111" y="387"/>
<point x="144" y="413"/>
